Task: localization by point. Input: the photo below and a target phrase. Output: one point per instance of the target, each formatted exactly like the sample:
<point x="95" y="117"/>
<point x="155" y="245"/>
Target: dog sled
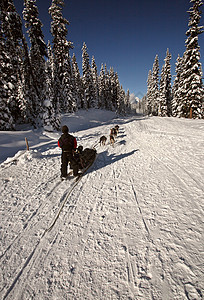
<point x="83" y="159"/>
<point x="86" y="157"/>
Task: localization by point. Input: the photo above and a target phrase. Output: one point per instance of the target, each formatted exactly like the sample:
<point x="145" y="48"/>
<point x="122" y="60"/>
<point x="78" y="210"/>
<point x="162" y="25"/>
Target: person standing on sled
<point x="68" y="144"/>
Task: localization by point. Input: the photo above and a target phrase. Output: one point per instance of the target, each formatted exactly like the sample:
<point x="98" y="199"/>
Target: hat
<point x="65" y="129"/>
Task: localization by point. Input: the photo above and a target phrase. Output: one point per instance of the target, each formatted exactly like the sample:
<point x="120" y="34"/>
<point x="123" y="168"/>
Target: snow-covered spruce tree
<point x="176" y="89"/>
<point x="70" y="105"/>
<point x="62" y="61"/>
<point x="112" y="88"/>
<point x="127" y="97"/>
<point x="193" y="89"/>
<point x="51" y="114"/>
<point x="34" y="26"/>
<point x="115" y="88"/>
<point x="101" y="103"/>
<point x="38" y="50"/>
<point x="144" y="104"/>
<point x="165" y="88"/>
<point x="149" y="93"/>
<point x="95" y="80"/>
<point x="109" y="90"/>
<point x="29" y="97"/>
<point x="78" y="86"/>
<point x="11" y="36"/>
<point x="155" y="86"/>
<point x="27" y="92"/>
<point x="121" y="108"/>
<point x="50" y="59"/>
<point x="127" y="102"/>
<point x="87" y="79"/>
<point x="162" y="95"/>
<point x="108" y="102"/>
<point x="6" y="120"/>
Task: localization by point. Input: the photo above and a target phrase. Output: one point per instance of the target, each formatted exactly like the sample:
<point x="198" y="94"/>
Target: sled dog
<point x="112" y="140"/>
<point x="103" y="140"/>
<point x="113" y="132"/>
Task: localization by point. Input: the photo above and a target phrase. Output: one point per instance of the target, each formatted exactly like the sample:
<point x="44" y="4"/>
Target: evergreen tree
<point x="27" y="92"/>
<point x="177" y="87"/>
<point x="121" y="109"/>
<point x="87" y="79"/>
<point x="95" y="81"/>
<point x="69" y="104"/>
<point x="162" y="95"/>
<point x="34" y="26"/>
<point x="78" y="86"/>
<point x="193" y="90"/>
<point x="127" y="102"/>
<point x="51" y="115"/>
<point x="6" y="120"/>
<point x="144" y="104"/>
<point x="37" y="61"/>
<point x="62" y="62"/>
<point x="11" y="36"/>
<point x="165" y="88"/>
<point x="155" y="86"/>
<point x="113" y="91"/>
<point x="108" y="102"/>
<point x="115" y="88"/>
<point x="101" y="103"/>
<point x="149" y="93"/>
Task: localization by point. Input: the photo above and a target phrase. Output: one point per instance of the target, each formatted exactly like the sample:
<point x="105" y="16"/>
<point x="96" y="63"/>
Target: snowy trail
<point x="132" y="228"/>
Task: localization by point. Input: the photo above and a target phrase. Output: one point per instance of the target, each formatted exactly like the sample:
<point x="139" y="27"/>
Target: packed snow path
<point x="132" y="228"/>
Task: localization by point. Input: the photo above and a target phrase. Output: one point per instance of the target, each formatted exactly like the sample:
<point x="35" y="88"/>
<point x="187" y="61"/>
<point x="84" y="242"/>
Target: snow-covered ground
<point x="131" y="228"/>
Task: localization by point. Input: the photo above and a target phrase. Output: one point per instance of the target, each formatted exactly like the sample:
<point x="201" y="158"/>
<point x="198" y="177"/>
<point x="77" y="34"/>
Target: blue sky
<point x="125" y="34"/>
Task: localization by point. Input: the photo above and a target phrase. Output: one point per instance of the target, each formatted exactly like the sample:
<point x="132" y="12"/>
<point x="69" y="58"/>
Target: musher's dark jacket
<point x="67" y="142"/>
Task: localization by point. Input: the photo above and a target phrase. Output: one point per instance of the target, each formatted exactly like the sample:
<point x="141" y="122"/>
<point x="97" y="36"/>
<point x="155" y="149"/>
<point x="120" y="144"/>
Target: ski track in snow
<point x="131" y="228"/>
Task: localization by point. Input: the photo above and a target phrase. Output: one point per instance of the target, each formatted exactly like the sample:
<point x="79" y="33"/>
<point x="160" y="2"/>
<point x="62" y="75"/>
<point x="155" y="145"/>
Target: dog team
<point x="113" y="134"/>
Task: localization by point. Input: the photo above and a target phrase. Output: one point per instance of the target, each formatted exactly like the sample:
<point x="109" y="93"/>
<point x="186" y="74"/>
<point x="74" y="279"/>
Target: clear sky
<point x="125" y="34"/>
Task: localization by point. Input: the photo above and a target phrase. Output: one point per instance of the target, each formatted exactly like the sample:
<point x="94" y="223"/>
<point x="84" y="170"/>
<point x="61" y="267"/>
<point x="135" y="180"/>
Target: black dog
<point x="103" y="140"/>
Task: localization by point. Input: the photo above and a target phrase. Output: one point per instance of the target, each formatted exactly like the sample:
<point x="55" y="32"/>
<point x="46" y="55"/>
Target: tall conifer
<point x="78" y="86"/>
<point x="62" y="61"/>
<point x="113" y="88"/>
<point x="87" y="78"/>
<point x="165" y="88"/>
<point x="155" y="86"/>
<point x="11" y="37"/>
<point x="177" y="87"/>
<point x="102" y="88"/>
<point x="37" y="60"/>
<point x="149" y="100"/>
<point x="6" y="120"/>
<point x="193" y="90"/>
<point x="51" y="112"/>
<point x="95" y="81"/>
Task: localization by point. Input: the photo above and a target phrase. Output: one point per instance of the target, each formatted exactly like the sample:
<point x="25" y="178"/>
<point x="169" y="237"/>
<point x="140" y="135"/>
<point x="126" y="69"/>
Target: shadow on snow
<point x="104" y="160"/>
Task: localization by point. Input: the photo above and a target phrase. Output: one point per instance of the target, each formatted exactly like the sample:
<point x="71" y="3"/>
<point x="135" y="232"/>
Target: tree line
<point x="186" y="97"/>
<point x="40" y="82"/>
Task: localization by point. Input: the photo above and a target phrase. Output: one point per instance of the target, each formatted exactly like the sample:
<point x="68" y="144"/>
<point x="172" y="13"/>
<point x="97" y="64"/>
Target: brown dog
<point x="112" y="140"/>
<point x="103" y="140"/>
<point x="113" y="132"/>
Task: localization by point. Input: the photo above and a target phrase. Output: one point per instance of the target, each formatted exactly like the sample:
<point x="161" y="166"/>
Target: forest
<point x="39" y="82"/>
